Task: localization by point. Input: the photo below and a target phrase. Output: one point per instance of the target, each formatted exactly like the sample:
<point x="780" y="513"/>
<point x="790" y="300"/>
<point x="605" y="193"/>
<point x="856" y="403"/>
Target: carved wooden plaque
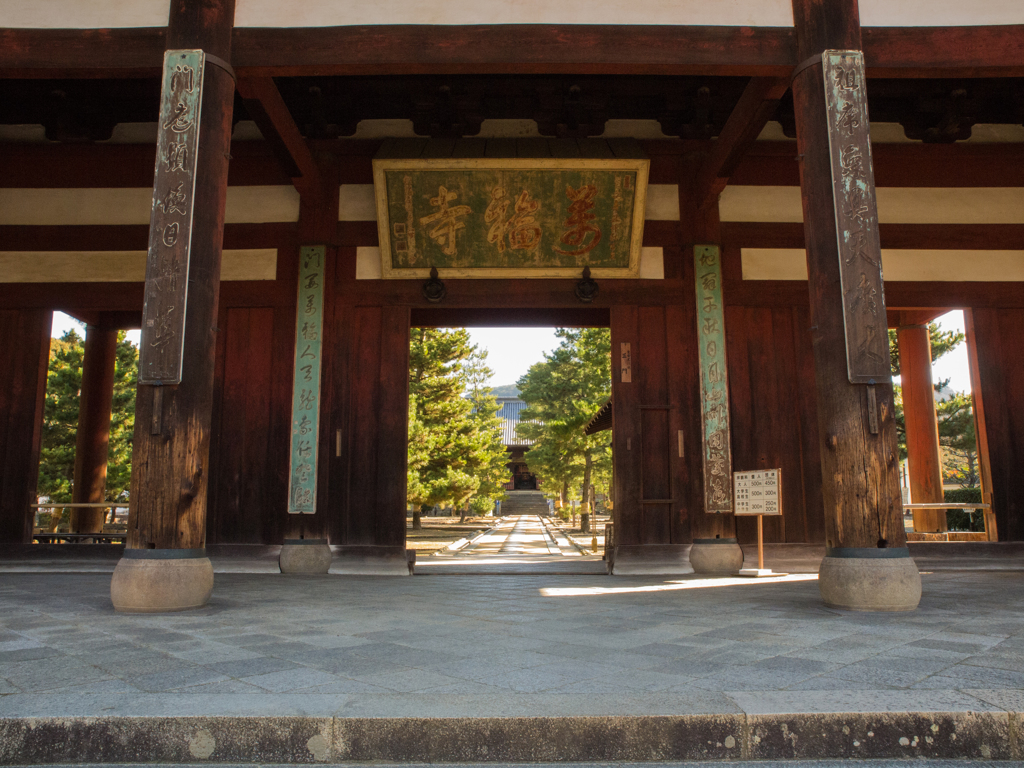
<point x="853" y="183"/>
<point x="542" y="217"/>
<point x="758" y="492"/>
<point x="714" y="385"/>
<point x="170" y="226"/>
<point x="626" y="363"/>
<point x="306" y="382"/>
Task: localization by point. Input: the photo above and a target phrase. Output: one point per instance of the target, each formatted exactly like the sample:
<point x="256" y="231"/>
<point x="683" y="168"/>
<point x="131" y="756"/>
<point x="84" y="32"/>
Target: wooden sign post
<point x="758" y="493"/>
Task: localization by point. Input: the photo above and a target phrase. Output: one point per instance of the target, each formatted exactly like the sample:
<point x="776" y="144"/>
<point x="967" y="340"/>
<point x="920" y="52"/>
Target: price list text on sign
<point x="758" y="492"/>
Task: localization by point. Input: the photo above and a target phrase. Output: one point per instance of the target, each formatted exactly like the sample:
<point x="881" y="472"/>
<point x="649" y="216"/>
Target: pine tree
<point x="452" y="453"/>
<point x="563" y="393"/>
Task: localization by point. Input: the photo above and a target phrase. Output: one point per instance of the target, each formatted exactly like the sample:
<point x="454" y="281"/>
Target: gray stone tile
<point x="246" y="668"/>
<point x="291" y="679"/>
<point x="28" y="654"/>
<point x="411" y="680"/>
<point x="177" y="678"/>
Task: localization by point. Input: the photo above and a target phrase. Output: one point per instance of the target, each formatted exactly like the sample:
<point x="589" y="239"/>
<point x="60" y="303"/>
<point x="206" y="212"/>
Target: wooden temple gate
<point x="213" y="450"/>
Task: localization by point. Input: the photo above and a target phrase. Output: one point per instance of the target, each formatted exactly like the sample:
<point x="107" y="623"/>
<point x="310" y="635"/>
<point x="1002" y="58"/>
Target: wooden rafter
<point x="265" y="106"/>
<point x="755" y="108"/>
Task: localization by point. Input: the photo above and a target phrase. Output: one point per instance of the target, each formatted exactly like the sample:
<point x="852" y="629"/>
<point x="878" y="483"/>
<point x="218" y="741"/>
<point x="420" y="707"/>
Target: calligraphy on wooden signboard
<point x="714" y="385"/>
<point x="306" y="382"/>
<point x="853" y="183"/>
<point x="170" y="229"/>
<point x="757" y="492"/>
<point x="541" y="217"/>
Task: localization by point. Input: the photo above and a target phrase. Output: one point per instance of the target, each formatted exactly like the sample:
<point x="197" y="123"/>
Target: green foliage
<point x="963" y="519"/>
<point x="122" y="421"/>
<point x="958" y="440"/>
<point x="60" y="418"/>
<point x="563" y="393"/>
<point x="505" y="390"/>
<point x="964" y="495"/>
<point x="455" y="448"/>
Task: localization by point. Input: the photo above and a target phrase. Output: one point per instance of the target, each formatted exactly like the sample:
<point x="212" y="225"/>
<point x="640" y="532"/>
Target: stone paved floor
<point x="443" y="645"/>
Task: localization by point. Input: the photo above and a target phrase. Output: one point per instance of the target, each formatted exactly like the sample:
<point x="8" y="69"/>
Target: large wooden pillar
<point x="24" y="356"/>
<point x="93" y="436"/>
<point x="922" y="425"/>
<point x="999" y="382"/>
<point x="165" y="565"/>
<point x="867" y="564"/>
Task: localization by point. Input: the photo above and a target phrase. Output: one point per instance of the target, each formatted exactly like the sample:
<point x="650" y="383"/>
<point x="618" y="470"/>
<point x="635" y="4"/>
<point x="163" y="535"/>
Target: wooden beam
<point x="774" y="163"/>
<point x="976" y="51"/>
<point x="265" y="106"/>
<point x="135" y="237"/>
<point x="755" y="108"/>
<point x="940" y="237"/>
<point x="985" y="51"/>
<point x="76" y="166"/>
<point x="516" y="48"/>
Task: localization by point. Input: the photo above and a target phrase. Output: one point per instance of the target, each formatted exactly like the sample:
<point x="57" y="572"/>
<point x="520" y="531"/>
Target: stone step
<point x="294" y="737"/>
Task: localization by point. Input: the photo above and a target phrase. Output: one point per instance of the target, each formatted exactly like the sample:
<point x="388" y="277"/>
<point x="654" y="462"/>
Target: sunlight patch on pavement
<point x="675" y="585"/>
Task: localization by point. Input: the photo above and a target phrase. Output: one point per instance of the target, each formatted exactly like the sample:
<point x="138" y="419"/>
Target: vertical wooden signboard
<point x="170" y="230"/>
<point x="853" y="183"/>
<point x="306" y="382"/>
<point x="714" y="387"/>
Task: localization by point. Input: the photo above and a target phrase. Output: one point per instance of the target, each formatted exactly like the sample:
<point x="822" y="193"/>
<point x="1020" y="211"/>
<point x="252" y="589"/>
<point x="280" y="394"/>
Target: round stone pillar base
<point x="716" y="556"/>
<point x="305" y="556"/>
<point x="161" y="580"/>
<point x="865" y="579"/>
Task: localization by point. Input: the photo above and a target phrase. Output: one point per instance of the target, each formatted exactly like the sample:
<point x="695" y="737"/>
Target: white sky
<point x="513" y="350"/>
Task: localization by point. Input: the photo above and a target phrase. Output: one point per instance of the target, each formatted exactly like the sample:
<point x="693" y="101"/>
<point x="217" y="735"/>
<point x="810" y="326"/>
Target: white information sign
<point x="757" y="492"/>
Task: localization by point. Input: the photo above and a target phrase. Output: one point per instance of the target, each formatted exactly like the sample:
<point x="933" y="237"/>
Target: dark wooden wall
<point x="997" y="333"/>
<point x="24" y="354"/>
<point x="774" y="415"/>
<point x="656" y="490"/>
<point x="366" y="397"/>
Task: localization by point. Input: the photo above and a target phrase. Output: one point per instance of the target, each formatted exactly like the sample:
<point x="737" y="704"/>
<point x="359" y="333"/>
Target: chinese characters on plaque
<point x="714" y="387"/>
<point x="170" y="229"/>
<point x="853" y="182"/>
<point x="306" y="382"/>
<point x="758" y="492"/>
<point x="540" y="217"/>
<point x="625" y="362"/>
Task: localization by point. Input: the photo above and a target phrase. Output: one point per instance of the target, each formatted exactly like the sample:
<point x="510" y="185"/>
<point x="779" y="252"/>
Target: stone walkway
<point x="477" y="651"/>
<point x="518" y="646"/>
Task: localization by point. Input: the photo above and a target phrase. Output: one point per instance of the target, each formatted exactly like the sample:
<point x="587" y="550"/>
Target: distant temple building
<point x="522" y="478"/>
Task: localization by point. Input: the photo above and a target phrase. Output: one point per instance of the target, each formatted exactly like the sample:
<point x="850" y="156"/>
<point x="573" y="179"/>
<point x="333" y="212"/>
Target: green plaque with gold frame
<point x="516" y="217"/>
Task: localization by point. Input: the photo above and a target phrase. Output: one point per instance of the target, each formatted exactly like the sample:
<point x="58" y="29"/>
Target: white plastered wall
<point x="896" y="205"/>
<point x="120" y="266"/>
<point x="901" y="265"/>
<point x="97" y="14"/>
<point x="132" y="205"/>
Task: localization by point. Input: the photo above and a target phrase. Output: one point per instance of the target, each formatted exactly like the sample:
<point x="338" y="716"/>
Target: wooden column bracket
<point x="755" y="108"/>
<point x="265" y="106"/>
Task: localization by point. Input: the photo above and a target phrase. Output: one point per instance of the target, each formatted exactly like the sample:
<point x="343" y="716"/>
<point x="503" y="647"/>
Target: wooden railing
<point x="57" y="537"/>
